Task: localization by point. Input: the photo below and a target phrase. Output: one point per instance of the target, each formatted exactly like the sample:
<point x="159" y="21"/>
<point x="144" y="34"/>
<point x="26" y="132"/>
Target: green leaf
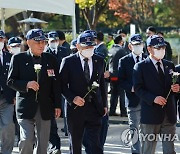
<point x="93" y="91"/>
<point x="174" y="79"/>
<point x="88" y="88"/>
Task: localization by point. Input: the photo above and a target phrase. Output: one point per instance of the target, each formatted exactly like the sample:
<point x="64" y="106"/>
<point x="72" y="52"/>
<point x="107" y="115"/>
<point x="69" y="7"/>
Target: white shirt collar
<point x="90" y="63"/>
<point x="31" y="52"/>
<point x="140" y="57"/>
<point x="117" y="45"/>
<point x="53" y="50"/>
<point x="155" y="61"/>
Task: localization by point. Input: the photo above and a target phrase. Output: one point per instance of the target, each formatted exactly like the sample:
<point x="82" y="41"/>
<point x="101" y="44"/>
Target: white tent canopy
<point x="9" y="12"/>
<point x="66" y="7"/>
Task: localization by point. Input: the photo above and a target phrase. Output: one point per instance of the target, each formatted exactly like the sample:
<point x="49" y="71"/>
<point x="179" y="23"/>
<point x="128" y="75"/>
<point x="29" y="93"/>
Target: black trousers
<point x="54" y="140"/>
<point x="80" y="120"/>
<point x="103" y="134"/>
<point x="117" y="92"/>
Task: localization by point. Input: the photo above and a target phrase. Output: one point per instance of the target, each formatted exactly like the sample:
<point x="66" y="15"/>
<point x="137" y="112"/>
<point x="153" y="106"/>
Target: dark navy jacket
<point x="21" y="71"/>
<point x="61" y="53"/>
<point x="74" y="82"/>
<point x="101" y="50"/>
<point x="8" y="93"/>
<point x="126" y="65"/>
<point x="148" y="86"/>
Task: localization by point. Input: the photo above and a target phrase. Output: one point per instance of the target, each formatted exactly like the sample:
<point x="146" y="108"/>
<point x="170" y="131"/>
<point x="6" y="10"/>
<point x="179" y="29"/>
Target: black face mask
<point x="74" y="50"/>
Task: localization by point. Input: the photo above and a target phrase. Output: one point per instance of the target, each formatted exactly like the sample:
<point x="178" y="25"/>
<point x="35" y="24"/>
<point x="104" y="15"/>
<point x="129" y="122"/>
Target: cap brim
<point x="2" y="36"/>
<point x="88" y="44"/>
<point x="136" y="42"/>
<point x="159" y="45"/>
<point x="53" y="38"/>
<point x="14" y="44"/>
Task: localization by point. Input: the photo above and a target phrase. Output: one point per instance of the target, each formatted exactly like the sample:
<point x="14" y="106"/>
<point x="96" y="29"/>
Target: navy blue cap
<point x="93" y="32"/>
<point x="2" y="34"/>
<point x="14" y="41"/>
<point x="73" y="44"/>
<point x="35" y="34"/>
<point x="86" y="39"/>
<point x="46" y="35"/>
<point x="155" y="41"/>
<point x="135" y="39"/>
<point x="53" y="35"/>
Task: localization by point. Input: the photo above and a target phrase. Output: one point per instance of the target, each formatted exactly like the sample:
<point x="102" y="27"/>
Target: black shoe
<point x="66" y="134"/>
<point x="62" y="130"/>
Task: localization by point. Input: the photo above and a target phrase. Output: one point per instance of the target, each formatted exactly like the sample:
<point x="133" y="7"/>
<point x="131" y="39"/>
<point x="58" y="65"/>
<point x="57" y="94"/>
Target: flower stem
<point x="167" y="96"/>
<point x="75" y="107"/>
<point x="37" y="73"/>
<point x="88" y="93"/>
<point x="107" y="63"/>
<point x="85" y="96"/>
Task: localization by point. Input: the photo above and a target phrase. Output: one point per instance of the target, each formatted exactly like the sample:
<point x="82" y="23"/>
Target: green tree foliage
<point x="57" y="22"/>
<point x="108" y="20"/>
<point x="162" y="14"/>
<point x="174" y="6"/>
<point x="92" y="10"/>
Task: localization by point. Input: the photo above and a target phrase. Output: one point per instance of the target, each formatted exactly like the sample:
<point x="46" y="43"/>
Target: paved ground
<point x="113" y="145"/>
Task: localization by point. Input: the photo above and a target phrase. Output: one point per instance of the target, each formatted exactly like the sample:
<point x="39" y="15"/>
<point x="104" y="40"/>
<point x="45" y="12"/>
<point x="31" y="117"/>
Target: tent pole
<point x="74" y="23"/>
<point x="74" y="27"/>
<point x="3" y="19"/>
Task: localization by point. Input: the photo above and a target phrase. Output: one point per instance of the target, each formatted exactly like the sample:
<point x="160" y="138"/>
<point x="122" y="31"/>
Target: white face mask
<point x="159" y="54"/>
<point x="15" y="50"/>
<point x="124" y="39"/>
<point x="1" y="45"/>
<point x="87" y="53"/>
<point x="45" y="48"/>
<point x="53" y="45"/>
<point x="137" y="49"/>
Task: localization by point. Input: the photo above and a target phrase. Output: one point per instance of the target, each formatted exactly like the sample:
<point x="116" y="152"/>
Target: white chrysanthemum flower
<point x="37" y="66"/>
<point x="95" y="84"/>
<point x="176" y="74"/>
